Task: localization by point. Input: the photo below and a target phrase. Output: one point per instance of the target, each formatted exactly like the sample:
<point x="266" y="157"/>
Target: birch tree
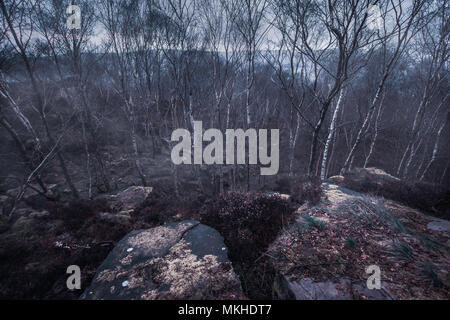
<point x="406" y="23"/>
<point x="17" y="19"/>
<point x="434" y="38"/>
<point x="331" y="133"/>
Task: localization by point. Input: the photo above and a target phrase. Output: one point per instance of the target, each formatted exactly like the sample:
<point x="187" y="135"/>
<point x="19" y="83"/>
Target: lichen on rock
<point x="167" y="262"/>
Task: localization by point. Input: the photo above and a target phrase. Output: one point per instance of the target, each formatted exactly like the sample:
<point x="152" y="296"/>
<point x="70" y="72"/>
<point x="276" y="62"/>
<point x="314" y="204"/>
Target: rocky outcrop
<point x="363" y="173"/>
<point x="184" y="260"/>
<point x="336" y="179"/>
<point x="336" y="194"/>
<point x="360" y="174"/>
<point x="325" y="252"/>
<point x="31" y="193"/>
<point x="126" y="201"/>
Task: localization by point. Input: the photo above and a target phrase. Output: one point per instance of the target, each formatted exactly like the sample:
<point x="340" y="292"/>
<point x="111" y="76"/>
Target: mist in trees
<point x="348" y="84"/>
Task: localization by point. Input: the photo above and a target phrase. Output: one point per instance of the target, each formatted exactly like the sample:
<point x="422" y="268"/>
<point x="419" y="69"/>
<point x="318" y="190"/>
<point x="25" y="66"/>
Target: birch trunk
<point x="365" y="125"/>
<point x="375" y="135"/>
<point x="436" y="146"/>
<point x="293" y="144"/>
<point x="331" y="134"/>
<point x="22" y="150"/>
<point x="412" y="144"/>
<point x="18" y="112"/>
<point x="40" y="102"/>
<point x="88" y="156"/>
<point x="403" y="39"/>
<point x="133" y="136"/>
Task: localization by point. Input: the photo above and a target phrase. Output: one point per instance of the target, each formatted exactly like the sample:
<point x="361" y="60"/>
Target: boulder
<point x="439" y="225"/>
<point x="121" y="219"/>
<point x="39" y="214"/>
<point x="336" y="179"/>
<point x="336" y="194"/>
<point x="31" y="192"/>
<point x="309" y="289"/>
<point x="128" y="200"/>
<point x="373" y="173"/>
<point x="281" y="195"/>
<point x="377" y="172"/>
<point x="179" y="260"/>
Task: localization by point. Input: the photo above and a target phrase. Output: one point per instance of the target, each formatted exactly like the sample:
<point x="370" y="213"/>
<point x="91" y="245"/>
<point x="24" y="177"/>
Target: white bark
<point x="133" y="136"/>
<point x="331" y="134"/>
<point x="436" y="146"/>
<point x="18" y="112"/>
<point x="363" y="129"/>
<point x="293" y="143"/>
<point x="377" y="129"/>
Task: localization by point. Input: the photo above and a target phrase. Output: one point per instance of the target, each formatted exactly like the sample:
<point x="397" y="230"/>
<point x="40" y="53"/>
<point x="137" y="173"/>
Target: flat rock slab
<point x="439" y="225"/>
<point x="373" y="294"/>
<point x="336" y="194"/>
<point x="183" y="260"/>
<point x="308" y="289"/>
<point x="205" y="241"/>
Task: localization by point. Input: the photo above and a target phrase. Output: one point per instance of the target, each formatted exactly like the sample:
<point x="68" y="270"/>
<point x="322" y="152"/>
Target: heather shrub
<point x="249" y="222"/>
<point x="283" y="184"/>
<point x="162" y="205"/>
<point x="75" y="213"/>
<point x="158" y="203"/>
<point x="306" y="190"/>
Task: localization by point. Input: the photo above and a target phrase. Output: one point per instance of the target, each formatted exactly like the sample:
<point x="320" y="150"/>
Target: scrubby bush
<point x="283" y="184"/>
<point x="159" y="204"/>
<point x="249" y="222"/>
<point x="75" y="213"/>
<point x="162" y="205"/>
<point x="306" y="190"/>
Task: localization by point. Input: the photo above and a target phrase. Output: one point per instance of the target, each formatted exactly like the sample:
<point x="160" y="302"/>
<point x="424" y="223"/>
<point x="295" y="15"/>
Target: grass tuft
<point x="369" y="209"/>
<point x="401" y="251"/>
<point x="319" y="225"/>
<point x="430" y="274"/>
<point x="350" y="242"/>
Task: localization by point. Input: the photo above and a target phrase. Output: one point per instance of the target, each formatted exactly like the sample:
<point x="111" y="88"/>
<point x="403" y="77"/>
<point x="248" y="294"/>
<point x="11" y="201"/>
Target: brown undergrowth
<point x="335" y="241"/>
